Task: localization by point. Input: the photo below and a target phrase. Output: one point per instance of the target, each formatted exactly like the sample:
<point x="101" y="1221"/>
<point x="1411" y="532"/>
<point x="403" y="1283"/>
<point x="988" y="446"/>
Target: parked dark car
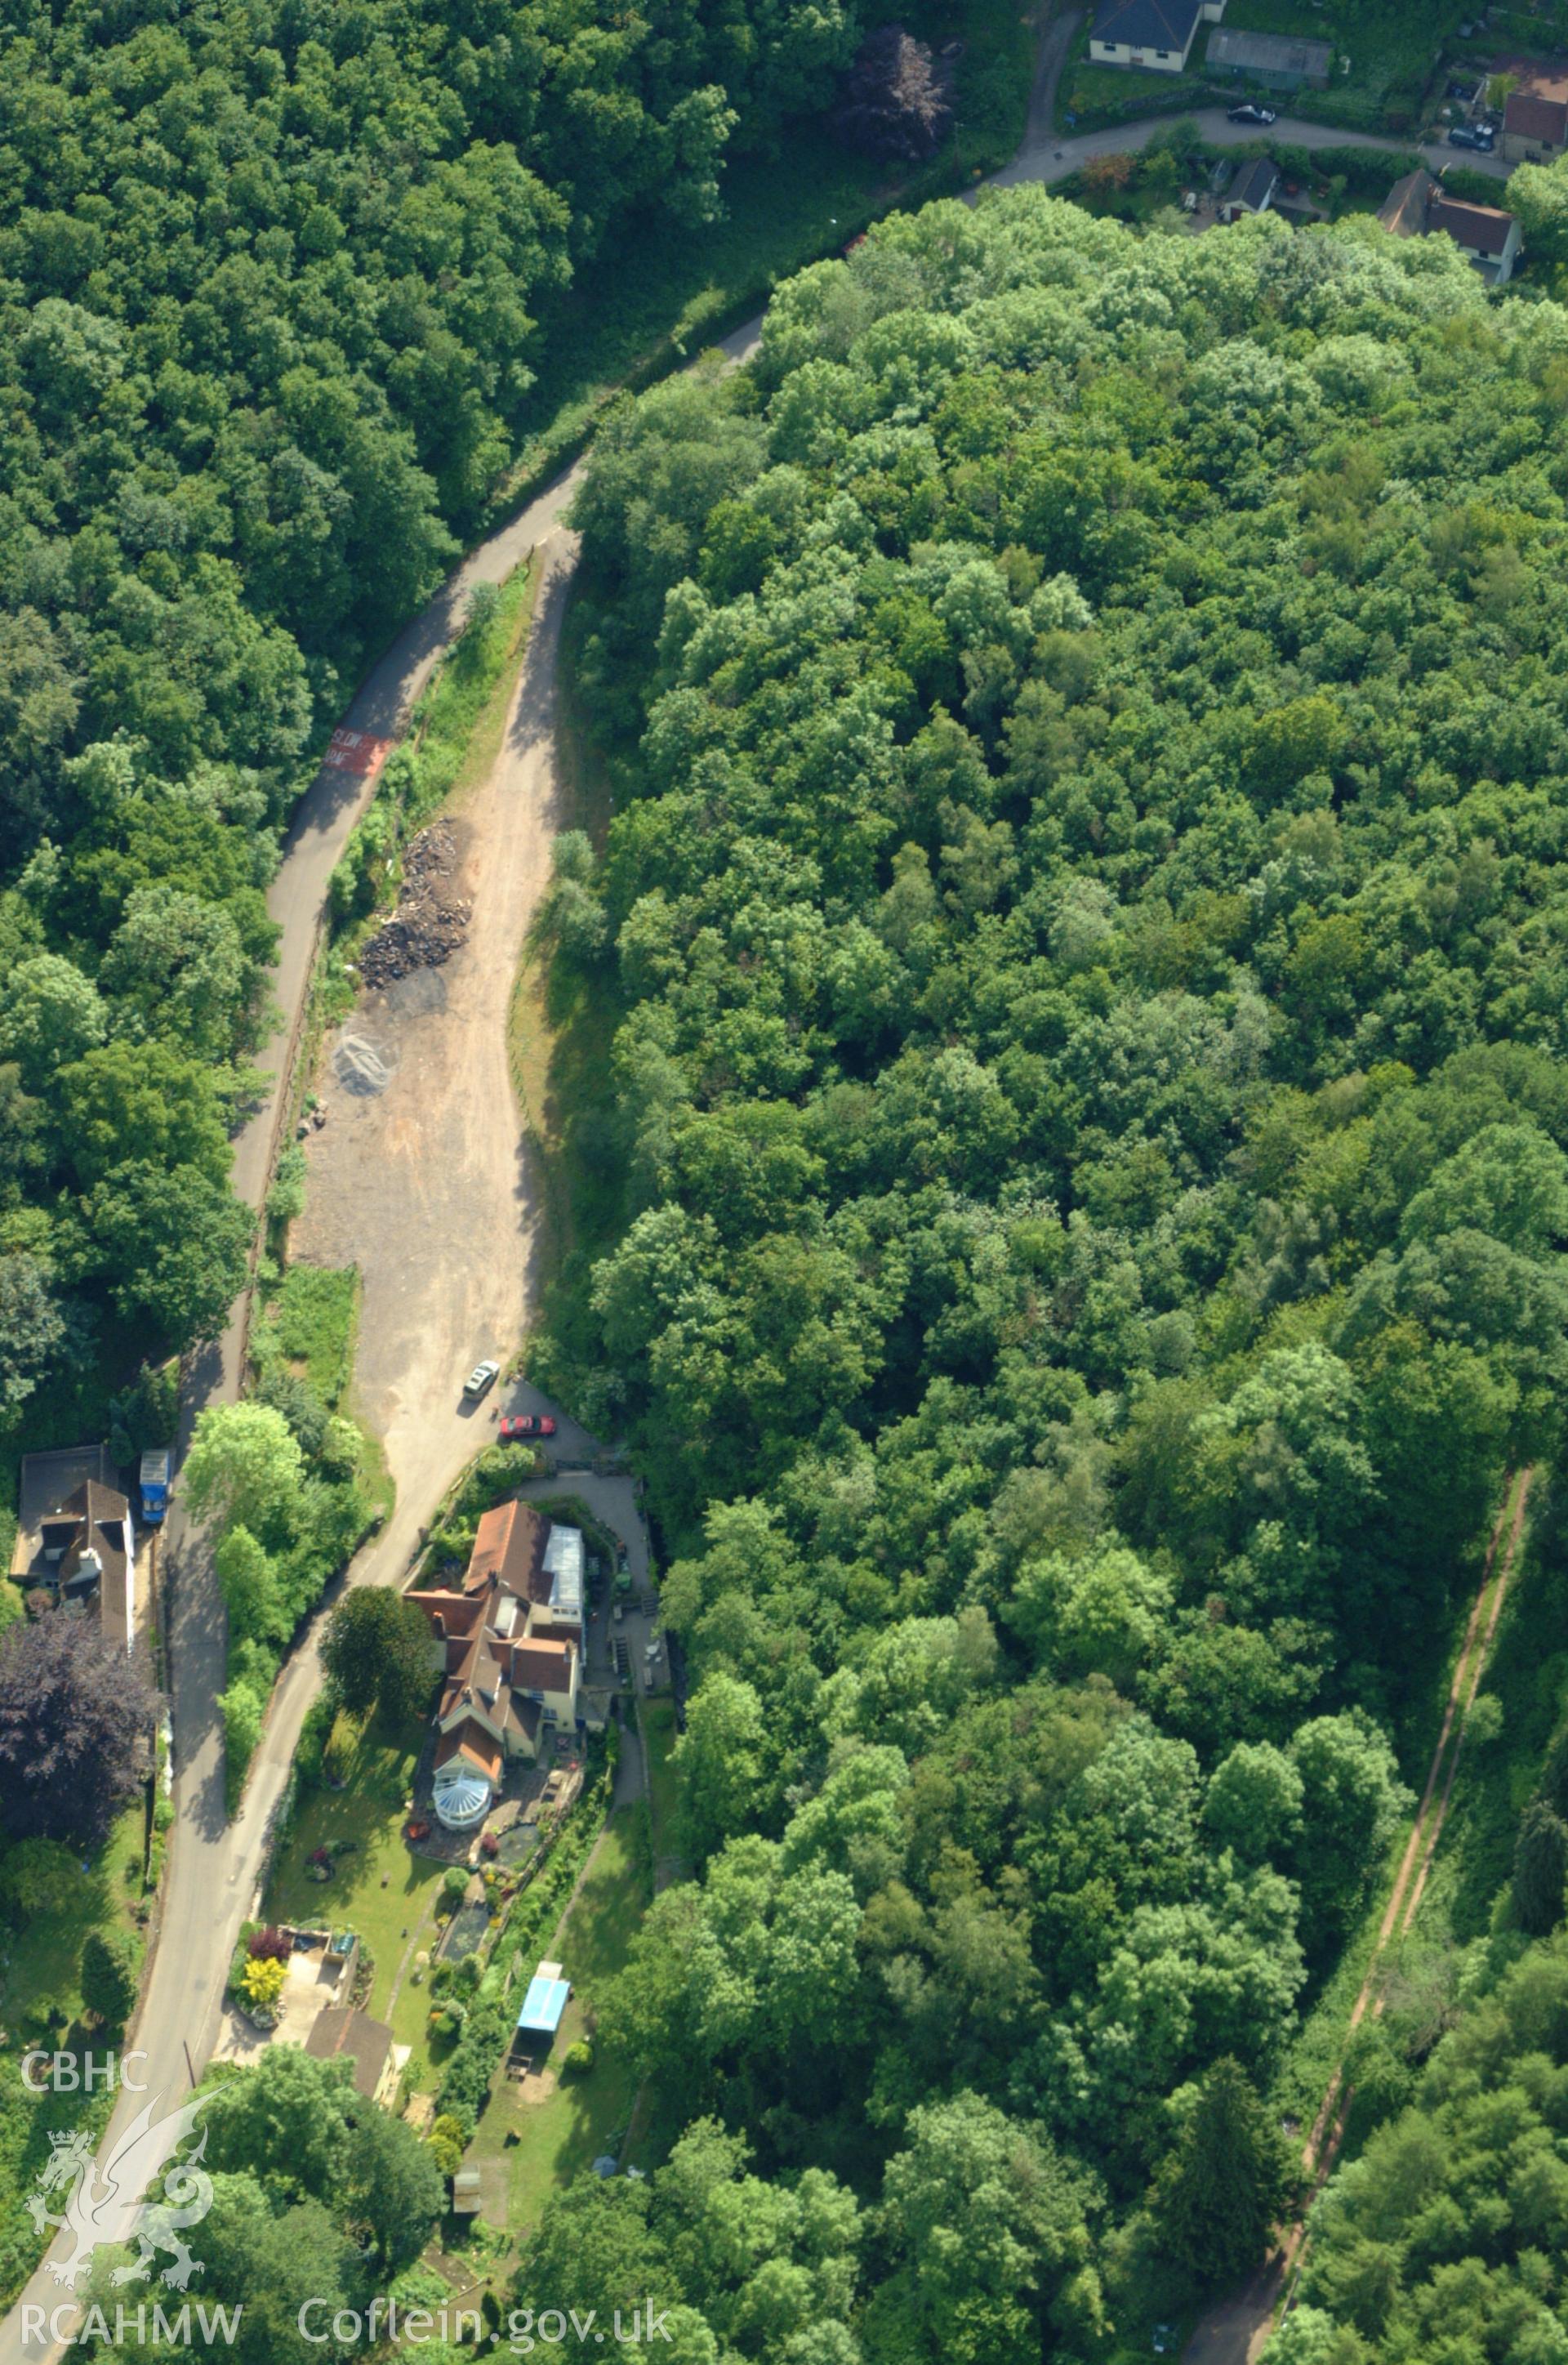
<point x="1249" y="113"/>
<point x="1473" y="135"/>
<point x="527" y="1424"/>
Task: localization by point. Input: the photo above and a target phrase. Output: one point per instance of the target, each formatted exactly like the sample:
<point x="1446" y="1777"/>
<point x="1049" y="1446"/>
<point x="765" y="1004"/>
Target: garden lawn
<point x="42" y="1972"/>
<point x="459" y="723"/>
<point x="659" y="1737"/>
<point x="1099" y="96"/>
<point x="370" y="1811"/>
<point x="1393" y="50"/>
<point x="46" y="1955"/>
<point x="1528" y="32"/>
<point x="545" y="2144"/>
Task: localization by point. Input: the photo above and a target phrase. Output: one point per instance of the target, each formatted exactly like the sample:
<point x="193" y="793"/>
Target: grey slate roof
<point x="1146" y="24"/>
<point x="1256" y="185"/>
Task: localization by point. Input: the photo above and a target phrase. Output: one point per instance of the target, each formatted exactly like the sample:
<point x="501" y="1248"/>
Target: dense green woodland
<point x="1086" y="939"/>
<point x="270" y="272"/>
<point x="1444" y="2243"/>
<point x="317" y="2194"/>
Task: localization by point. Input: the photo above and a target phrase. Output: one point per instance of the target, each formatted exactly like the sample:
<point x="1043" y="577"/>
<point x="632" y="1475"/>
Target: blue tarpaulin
<point x="543" y="2006"/>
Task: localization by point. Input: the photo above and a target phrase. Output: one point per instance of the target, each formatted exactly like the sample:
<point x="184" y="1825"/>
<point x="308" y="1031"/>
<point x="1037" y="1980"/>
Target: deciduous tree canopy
<point x="270" y="286"/>
<point x="1083" y="930"/>
<point x="72" y="1710"/>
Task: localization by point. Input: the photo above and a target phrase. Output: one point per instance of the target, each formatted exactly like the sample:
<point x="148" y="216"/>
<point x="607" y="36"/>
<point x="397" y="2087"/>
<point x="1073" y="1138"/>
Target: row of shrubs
<point x="421" y="774"/>
<point x="302" y="1355"/>
<point x="487" y="2028"/>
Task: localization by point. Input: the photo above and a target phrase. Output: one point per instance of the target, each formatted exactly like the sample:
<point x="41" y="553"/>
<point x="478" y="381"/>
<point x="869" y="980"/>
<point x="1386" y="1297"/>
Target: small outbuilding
<point x="340" y="2033"/>
<point x="542" y="2010"/>
<point x="1254" y="191"/>
<point x="1276" y="61"/>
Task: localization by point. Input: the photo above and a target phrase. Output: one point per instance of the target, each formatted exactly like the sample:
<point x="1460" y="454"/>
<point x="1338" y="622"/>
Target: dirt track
<point x="1237" y="2329"/>
<point x="423" y="1180"/>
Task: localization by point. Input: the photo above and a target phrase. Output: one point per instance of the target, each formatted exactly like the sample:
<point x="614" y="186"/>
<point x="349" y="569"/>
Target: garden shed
<point x="540" y="2014"/>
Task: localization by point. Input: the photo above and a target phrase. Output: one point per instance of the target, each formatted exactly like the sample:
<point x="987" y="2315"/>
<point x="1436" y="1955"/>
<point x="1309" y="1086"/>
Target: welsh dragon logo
<point x="101" y="2198"/>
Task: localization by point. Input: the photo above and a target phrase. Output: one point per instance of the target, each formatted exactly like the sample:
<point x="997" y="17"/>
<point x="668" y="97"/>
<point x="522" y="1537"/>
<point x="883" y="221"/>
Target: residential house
<point x="1277" y="61"/>
<point x="1485" y="235"/>
<point x="1535" y="121"/>
<point x="508" y="1642"/>
<point x="341" y="2032"/>
<point x="1157" y="34"/>
<point x="1404" y="211"/>
<point x="1418" y="206"/>
<point x="1254" y="192"/>
<point x="75" y="1538"/>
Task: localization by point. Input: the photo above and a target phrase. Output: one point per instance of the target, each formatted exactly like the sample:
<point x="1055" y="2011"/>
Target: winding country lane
<point x="214" y="1867"/>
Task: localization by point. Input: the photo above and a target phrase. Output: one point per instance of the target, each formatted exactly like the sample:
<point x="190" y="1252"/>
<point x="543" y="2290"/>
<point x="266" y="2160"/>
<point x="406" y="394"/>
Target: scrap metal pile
<point x="429" y="923"/>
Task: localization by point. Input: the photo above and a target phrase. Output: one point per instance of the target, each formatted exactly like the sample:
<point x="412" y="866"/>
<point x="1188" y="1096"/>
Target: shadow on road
<point x="1236" y="2332"/>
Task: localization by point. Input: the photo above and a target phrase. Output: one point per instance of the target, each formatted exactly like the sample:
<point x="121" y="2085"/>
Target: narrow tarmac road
<point x="214" y="1865"/>
<point x="1044" y="157"/>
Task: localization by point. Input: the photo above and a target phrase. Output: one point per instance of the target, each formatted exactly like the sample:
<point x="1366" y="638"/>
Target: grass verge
<point x="302" y="1346"/>
<point x="563" y="1022"/>
<point x="657" y="1718"/>
<point x="311" y="1317"/>
<point x="453" y="735"/>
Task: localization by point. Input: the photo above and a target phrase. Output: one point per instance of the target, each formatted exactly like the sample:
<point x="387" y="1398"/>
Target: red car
<point x="528" y="1424"/>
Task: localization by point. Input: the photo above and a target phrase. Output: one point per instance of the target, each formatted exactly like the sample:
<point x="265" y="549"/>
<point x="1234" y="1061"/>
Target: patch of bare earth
<point x="420" y="1175"/>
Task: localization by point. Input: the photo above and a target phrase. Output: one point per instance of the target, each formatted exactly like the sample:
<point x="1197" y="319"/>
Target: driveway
<point x="1058" y="40"/>
<point x="216" y="1866"/>
<point x="426" y="1183"/>
<point x="1236" y="2330"/>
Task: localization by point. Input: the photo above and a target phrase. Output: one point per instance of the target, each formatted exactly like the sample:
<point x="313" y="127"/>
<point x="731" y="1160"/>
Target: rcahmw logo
<point x="62" y="2073"/>
<point x="100" y="2201"/>
<point x="69" y="2323"/>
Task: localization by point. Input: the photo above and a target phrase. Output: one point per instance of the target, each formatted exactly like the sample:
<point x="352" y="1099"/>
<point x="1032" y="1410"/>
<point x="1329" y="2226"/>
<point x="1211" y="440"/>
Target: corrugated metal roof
<point x="1269" y="52"/>
<point x="564" y="1566"/>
